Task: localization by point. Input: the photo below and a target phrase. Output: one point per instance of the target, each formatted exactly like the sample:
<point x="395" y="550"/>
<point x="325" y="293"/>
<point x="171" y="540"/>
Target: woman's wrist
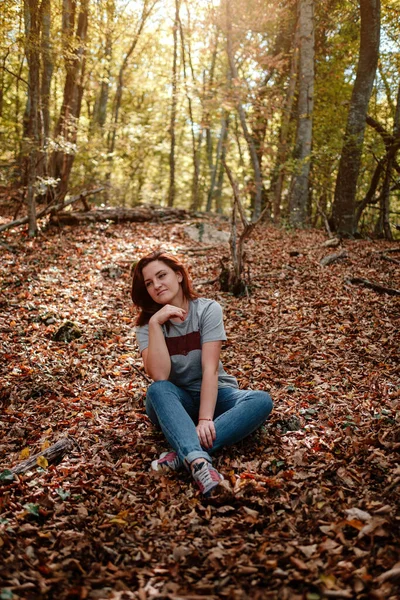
<point x="154" y="321"/>
<point x="205" y="419"/>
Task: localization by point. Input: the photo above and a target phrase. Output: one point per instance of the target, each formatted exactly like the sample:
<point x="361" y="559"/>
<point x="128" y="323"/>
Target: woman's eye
<point x="148" y="284"/>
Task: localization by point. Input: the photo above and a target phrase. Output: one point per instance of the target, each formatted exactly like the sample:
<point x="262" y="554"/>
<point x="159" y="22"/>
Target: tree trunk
<point x="100" y="108"/>
<point x="171" y="189"/>
<point x="242" y="116"/>
<point x="221" y="170"/>
<point x="220" y="146"/>
<point x="47" y="70"/>
<point x="31" y="117"/>
<point x="302" y="153"/>
<point x="344" y="205"/>
<point x="212" y="168"/>
<point x="279" y="174"/>
<point x="120" y="87"/>
<point x="17" y="118"/>
<point x="382" y="226"/>
<point x="66" y="130"/>
<point x="196" y="145"/>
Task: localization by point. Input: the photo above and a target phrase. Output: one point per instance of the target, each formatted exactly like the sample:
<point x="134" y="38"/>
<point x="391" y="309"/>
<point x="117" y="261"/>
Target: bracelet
<point x="206" y="419"/>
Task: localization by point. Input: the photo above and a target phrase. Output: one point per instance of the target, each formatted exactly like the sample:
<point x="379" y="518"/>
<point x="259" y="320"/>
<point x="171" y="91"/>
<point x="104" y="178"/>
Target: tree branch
<point x="14" y="75"/>
<point x="51" y="209"/>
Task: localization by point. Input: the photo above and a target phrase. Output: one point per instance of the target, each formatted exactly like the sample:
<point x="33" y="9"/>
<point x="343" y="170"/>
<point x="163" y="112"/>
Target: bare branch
<point x="14" y="75"/>
<point x="51" y="209"/>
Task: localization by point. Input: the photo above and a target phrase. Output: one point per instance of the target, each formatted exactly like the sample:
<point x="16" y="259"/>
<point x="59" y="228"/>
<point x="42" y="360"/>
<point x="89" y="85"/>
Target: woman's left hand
<point x="206" y="432"/>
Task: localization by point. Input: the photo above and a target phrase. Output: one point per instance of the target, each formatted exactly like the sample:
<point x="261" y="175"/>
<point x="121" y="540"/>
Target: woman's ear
<point x="179" y="276"/>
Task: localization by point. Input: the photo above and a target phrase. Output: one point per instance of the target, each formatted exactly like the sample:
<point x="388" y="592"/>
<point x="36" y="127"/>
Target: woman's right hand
<point x="166" y="313"/>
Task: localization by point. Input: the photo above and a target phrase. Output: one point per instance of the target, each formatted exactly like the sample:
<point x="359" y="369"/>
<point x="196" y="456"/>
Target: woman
<point x="198" y="406"/>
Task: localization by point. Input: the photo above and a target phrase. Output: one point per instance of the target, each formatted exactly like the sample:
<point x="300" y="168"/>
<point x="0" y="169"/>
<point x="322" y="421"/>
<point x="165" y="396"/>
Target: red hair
<point x="141" y="297"/>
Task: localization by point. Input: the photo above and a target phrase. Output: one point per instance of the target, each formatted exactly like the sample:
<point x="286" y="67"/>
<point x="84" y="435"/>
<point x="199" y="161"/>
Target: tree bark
<point x="171" y="189"/>
<point x="52" y="454"/>
<point x="344" y="205"/>
<point x="233" y="280"/>
<point x="141" y="214"/>
<point x="221" y="169"/>
<point x="47" y="70"/>
<point x="31" y="117"/>
<point x="220" y="147"/>
<point x="196" y="144"/>
<point x="258" y="185"/>
<point x="279" y="174"/>
<point x="302" y="153"/>
<point x="383" y="222"/>
<point x="66" y="130"/>
<point x="100" y="108"/>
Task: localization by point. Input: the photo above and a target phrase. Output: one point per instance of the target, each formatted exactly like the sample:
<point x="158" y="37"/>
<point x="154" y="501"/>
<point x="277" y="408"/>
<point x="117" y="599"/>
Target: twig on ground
<point x="383" y="255"/>
<point x="7" y="246"/>
<point x="377" y="287"/>
<point x="141" y="373"/>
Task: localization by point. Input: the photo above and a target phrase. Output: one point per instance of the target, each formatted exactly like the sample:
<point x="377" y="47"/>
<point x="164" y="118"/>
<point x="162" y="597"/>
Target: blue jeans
<point x="175" y="410"/>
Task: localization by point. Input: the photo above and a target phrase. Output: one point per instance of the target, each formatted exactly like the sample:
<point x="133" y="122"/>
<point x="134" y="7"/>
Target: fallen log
<point x="331" y="258"/>
<point x="55" y="452"/>
<point x="139" y="214"/>
<point x="377" y="287"/>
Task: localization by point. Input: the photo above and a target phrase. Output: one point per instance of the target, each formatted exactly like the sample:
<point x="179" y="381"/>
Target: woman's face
<point x="163" y="283"/>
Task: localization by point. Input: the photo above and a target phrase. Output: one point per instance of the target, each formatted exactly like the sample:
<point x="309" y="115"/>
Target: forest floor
<point x="310" y="505"/>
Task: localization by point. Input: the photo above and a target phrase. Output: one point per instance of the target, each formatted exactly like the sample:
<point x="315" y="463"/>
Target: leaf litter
<point x="310" y="503"/>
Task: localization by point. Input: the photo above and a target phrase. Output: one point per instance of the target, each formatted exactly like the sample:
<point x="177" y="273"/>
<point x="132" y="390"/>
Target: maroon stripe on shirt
<point x="183" y="344"/>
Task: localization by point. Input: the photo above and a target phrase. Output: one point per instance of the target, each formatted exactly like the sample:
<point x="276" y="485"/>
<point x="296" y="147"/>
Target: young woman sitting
<point x="197" y="405"/>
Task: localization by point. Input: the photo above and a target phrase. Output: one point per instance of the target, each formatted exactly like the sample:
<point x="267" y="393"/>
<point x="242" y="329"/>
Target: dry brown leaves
<point x="309" y="508"/>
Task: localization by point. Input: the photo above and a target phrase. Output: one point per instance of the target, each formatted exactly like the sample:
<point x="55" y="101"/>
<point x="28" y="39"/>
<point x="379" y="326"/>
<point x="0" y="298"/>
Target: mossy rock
<point x="67" y="332"/>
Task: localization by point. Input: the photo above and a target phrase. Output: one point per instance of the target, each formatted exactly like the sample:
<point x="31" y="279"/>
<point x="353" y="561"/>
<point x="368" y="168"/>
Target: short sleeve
<point x="142" y="337"/>
<point x="212" y="324"/>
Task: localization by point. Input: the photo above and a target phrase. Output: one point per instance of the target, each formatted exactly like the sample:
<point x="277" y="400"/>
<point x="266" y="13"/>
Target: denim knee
<point x="154" y="394"/>
<point x="266" y="402"/>
<point x="156" y="389"/>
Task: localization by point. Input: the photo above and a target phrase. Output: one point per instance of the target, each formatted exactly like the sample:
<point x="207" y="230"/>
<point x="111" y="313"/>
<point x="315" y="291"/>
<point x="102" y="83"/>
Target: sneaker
<point x="167" y="461"/>
<point x="206" y="477"/>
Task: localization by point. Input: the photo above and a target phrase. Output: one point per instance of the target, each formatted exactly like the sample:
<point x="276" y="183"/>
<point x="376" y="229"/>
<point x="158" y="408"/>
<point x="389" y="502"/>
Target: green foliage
<point x="33" y="509"/>
<point x="135" y="166"/>
<point x="6" y="475"/>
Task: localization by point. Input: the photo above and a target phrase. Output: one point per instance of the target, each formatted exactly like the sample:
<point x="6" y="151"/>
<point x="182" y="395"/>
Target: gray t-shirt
<point x="204" y="323"/>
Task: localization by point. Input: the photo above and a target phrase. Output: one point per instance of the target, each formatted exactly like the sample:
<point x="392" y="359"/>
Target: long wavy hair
<point x="141" y="297"/>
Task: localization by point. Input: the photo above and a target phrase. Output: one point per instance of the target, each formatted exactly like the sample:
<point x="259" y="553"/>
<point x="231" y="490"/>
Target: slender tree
<point x="302" y="153"/>
<point x="32" y="111"/>
<point x="66" y="130"/>
<point x="146" y="11"/>
<point x="383" y="223"/>
<point x="196" y="143"/>
<point x="172" y="185"/>
<point x="344" y="205"/>
<point x="280" y="170"/>
<point x="258" y="185"/>
<point x="100" y="108"/>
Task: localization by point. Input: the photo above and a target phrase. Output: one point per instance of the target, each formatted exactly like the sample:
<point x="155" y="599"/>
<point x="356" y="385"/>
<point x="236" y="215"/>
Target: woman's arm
<point x="156" y="359"/>
<point x="210" y="354"/>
